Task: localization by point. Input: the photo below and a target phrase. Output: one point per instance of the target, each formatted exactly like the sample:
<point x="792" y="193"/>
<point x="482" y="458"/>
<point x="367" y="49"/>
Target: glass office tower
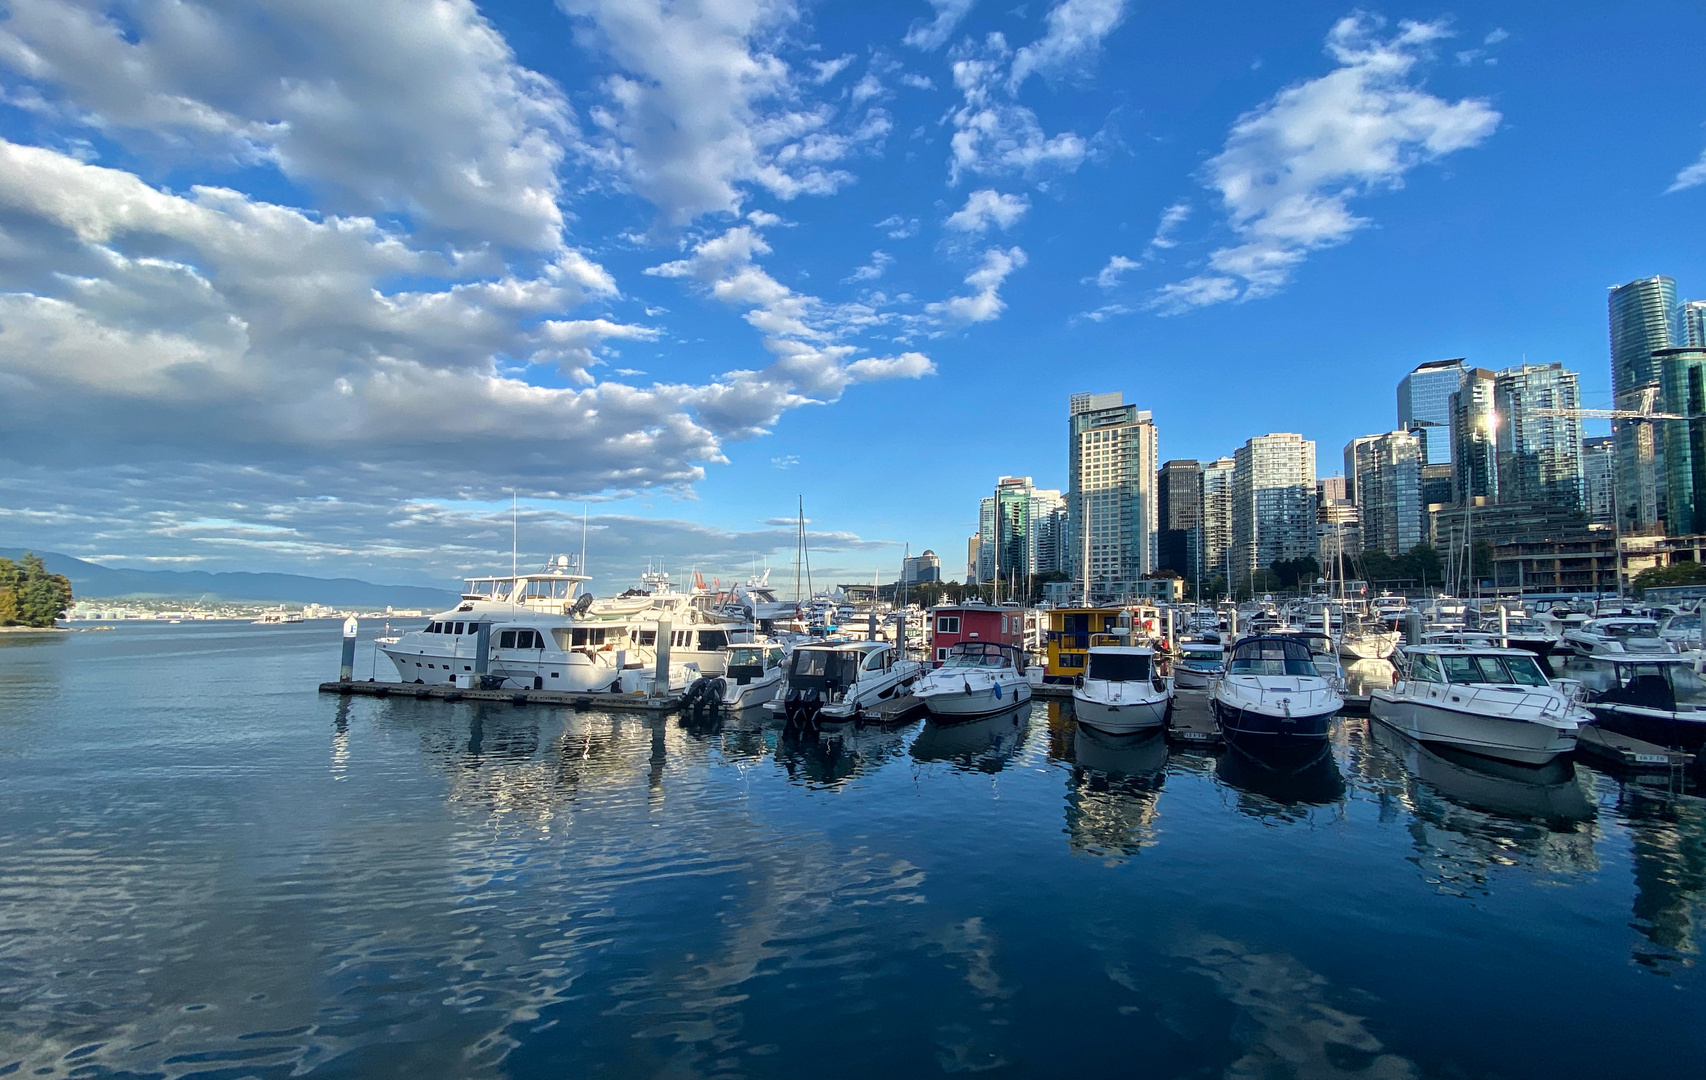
<point x="1539" y="455"/>
<point x="1641" y="314"/>
<point x="1424" y="404"/>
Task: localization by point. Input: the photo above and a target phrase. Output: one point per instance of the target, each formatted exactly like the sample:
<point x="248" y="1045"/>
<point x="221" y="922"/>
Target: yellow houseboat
<point x="1069" y="631"/>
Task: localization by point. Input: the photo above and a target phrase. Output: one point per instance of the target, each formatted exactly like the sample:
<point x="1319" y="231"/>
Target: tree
<point x="1291" y="571"/>
<point x="1684" y="573"/>
<point x="29" y="595"/>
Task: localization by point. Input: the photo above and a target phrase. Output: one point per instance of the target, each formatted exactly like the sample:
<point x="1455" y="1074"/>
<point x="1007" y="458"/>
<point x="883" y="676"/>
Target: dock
<point x="1621" y="752"/>
<point x="429" y="692"/>
<point x="897" y="710"/>
<point x="1192" y="723"/>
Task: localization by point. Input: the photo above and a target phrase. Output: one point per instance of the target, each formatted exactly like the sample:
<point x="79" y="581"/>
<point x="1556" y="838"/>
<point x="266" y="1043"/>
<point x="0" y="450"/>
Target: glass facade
<point x="1112" y="506"/>
<point x="1217" y="517"/>
<point x="1474" y="472"/>
<point x="1598" y="458"/>
<point x="1424" y="404"/>
<point x="1273" y="502"/>
<point x="1388" y="488"/>
<point x="1682" y="373"/>
<point x="1688" y="328"/>
<point x="1640" y="314"/>
<point x="1177" y="496"/>
<point x="1539" y="456"/>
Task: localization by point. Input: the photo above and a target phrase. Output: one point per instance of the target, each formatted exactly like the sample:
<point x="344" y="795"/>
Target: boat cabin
<point x="951" y="624"/>
<point x="984" y="654"/>
<point x="1271" y="656"/>
<point x="832" y="667"/>
<point x="749" y="662"/>
<point x="1664" y="684"/>
<point x="1121" y="664"/>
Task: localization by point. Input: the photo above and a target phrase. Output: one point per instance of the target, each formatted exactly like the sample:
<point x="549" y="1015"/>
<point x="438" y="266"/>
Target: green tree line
<point x="29" y="595"/>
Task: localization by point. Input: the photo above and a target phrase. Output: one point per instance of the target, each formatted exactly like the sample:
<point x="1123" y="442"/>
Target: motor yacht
<point x="1199" y="664"/>
<point x="1367" y="640"/>
<point x="1684" y="631"/>
<point x="836" y="682"/>
<point x="1122" y="691"/>
<point x="1616" y="634"/>
<point x="1659" y="699"/>
<point x="1272" y="698"/>
<point x="978" y="678"/>
<point x="1490" y="701"/>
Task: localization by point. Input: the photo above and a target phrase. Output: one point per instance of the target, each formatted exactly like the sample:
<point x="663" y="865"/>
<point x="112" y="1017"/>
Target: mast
<point x="799" y="546"/>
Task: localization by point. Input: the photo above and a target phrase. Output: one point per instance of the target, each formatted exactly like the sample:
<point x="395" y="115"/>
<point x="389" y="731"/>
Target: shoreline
<point x="36" y="630"/>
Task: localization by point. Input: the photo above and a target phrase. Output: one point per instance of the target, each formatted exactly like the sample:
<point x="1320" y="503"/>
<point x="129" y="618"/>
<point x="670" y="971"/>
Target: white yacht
<point x="1488" y="701"/>
<point x="1598" y="637"/>
<point x="1360" y="640"/>
<point x="978" y="678"/>
<point x="1121" y="691"/>
<point x="1272" y="699"/>
<point x="1199" y="664"/>
<point x="753" y="673"/>
<point x="834" y="682"/>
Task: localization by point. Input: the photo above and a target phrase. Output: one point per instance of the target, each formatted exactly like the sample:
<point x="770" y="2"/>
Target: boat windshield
<point x="1270" y="656"/>
<point x="813" y="667"/>
<point x="1118" y="667"/>
<point x="1500" y="670"/>
<point x="976" y="654"/>
<point x="742" y="656"/>
<point x="1630" y="630"/>
<point x="1689" y="623"/>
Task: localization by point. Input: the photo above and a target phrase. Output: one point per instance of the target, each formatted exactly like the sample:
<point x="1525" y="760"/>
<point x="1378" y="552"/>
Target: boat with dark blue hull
<point x="1273" y="701"/>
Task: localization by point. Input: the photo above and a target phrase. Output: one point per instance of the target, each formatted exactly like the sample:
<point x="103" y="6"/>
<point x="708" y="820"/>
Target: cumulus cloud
<point x="413" y="107"/>
<point x="987" y="208"/>
<point x="994" y="134"/>
<point x="934" y="33"/>
<point x="984" y="302"/>
<point x="872" y="270"/>
<point x="1291" y="167"/>
<point x="1109" y="277"/>
<point x="1692" y="176"/>
<point x="1075" y="32"/>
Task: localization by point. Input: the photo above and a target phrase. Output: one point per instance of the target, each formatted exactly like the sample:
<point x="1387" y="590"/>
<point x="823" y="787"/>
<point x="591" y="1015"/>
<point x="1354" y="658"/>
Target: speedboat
<point x="1122" y="692"/>
<point x="1272" y="698"/>
<point x="752" y="674"/>
<point x="1488" y="701"/>
<point x="1658" y="699"/>
<point x="1684" y="631"/>
<point x="835" y="682"/>
<point x="1199" y="664"/>
<point x="1617" y="634"/>
<point x="976" y="679"/>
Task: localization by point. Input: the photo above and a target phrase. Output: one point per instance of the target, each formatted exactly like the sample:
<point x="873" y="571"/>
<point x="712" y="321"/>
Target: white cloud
<point x="899" y="228"/>
<point x="415" y="107"/>
<point x="987" y="208"/>
<point x="825" y="70"/>
<point x="918" y="82"/>
<point x="1692" y="176"/>
<point x="866" y="89"/>
<point x="994" y="134"/>
<point x="1171" y="219"/>
<point x="984" y="302"/>
<point x="1109" y="276"/>
<point x="1496" y="36"/>
<point x="872" y="270"/>
<point x="1291" y="167"/>
<point x="933" y="34"/>
<point x="1075" y="32"/>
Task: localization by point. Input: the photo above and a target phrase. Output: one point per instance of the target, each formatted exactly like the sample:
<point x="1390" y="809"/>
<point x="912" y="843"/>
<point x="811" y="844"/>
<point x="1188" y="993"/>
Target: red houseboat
<point x="951" y="624"/>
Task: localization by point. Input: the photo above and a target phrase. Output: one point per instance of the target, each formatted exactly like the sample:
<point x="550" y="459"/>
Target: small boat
<point x="1616" y="635"/>
<point x="1367" y="641"/>
<point x="836" y="682"/>
<point x="1493" y="702"/>
<point x="1272" y="698"/>
<point x="1658" y="699"/>
<point x="1199" y="664"/>
<point x="752" y="675"/>
<point x="1122" y="692"/>
<point x="976" y="679"/>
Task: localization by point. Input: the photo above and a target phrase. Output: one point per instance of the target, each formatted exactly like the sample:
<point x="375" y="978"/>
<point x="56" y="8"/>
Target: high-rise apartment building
<point x="984" y="561"/>
<point x="1474" y="429"/>
<point x="1424" y="404"/>
<point x="1114" y="452"/>
<point x="1216" y="490"/>
<point x="1048" y="531"/>
<point x="1688" y="325"/>
<point x="1641" y="314"/>
<point x="1598" y="462"/>
<point x="1178" y="495"/>
<point x="1273" y="502"/>
<point x="1019" y="532"/>
<point x="1388" y="485"/>
<point x="1682" y="375"/>
<point x="1338" y="526"/>
<point x="1539" y="455"/>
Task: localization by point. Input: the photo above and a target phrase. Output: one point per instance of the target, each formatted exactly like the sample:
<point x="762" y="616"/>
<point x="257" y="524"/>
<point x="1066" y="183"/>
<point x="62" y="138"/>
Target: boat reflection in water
<point x="985" y="745"/>
<point x="1112" y="792"/>
<point x="739" y="734"/>
<point x="832" y="758"/>
<point x="1279" y="785"/>
<point x="1547" y="792"/>
<point x="1362" y="676"/>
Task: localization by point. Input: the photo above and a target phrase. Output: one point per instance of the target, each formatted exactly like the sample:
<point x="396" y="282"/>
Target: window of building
<point x="941" y="655"/>
<point x="947" y="624"/>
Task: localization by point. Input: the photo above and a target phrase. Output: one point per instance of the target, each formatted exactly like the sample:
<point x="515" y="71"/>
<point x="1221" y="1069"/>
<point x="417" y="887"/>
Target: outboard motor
<point x="719" y="687"/>
<point x="800" y="708"/>
<point x="698" y="697"/>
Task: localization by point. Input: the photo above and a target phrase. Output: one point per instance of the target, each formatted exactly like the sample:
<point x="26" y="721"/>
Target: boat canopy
<point x="981" y="654"/>
<point x="1119" y="666"/>
<point x="1503" y="668"/>
<point x="1649" y="683"/>
<point x="1272" y="656"/>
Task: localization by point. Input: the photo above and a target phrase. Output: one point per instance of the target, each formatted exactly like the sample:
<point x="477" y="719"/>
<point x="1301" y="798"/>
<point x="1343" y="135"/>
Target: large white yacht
<point x="1488" y="701"/>
<point x="1121" y="692"/>
<point x="835" y="682"/>
<point x="978" y="678"/>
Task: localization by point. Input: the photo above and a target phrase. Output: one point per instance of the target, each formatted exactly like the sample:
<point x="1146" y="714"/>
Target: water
<point x="207" y="869"/>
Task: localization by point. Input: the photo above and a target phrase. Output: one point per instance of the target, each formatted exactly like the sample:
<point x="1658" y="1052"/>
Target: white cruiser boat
<point x="834" y="682"/>
<point x="1121" y="691"/>
<point x="1199" y="664"/>
<point x="1360" y="640"/>
<point x="978" y="678"/>
<point x="1272" y="699"/>
<point x="1488" y="701"/>
<point x="1598" y="637"/>
<point x="753" y="673"/>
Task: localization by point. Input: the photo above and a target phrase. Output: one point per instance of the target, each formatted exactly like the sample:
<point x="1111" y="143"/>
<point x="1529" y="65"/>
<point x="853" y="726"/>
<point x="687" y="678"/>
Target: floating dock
<point x="445" y="692"/>
<point x="896" y="711"/>
<point x="1192" y="722"/>
<point x="1628" y="754"/>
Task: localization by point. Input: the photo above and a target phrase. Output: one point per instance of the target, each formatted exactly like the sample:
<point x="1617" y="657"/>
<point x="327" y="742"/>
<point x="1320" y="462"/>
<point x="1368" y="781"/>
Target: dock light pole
<point x="346" y="669"/>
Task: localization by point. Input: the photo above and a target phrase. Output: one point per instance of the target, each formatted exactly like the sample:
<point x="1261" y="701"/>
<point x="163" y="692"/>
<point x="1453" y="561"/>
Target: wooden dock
<point x="1192" y="723"/>
<point x="445" y="692"/>
<point x="1620" y="752"/>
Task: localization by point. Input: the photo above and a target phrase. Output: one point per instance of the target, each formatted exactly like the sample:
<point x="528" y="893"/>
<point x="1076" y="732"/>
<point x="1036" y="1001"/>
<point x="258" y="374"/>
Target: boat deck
<point x="1192" y="723"/>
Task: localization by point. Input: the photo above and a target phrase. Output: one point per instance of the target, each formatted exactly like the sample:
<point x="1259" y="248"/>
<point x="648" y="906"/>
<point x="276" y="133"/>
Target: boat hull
<point x="1519" y="741"/>
<point x="960" y="704"/>
<point x="1369" y="646"/>
<point x="1186" y="679"/>
<point x="1262" y="733"/>
<point x="1125" y="718"/>
<point x="1652" y="725"/>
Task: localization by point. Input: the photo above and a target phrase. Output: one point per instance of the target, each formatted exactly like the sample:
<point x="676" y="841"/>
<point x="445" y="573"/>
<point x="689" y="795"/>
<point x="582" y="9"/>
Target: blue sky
<point x="314" y="286"/>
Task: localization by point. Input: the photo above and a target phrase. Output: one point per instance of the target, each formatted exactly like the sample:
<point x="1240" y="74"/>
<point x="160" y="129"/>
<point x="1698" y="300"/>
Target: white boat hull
<point x="963" y="704"/>
<point x="737" y="696"/>
<point x="1186" y="679"/>
<point x="1124" y="718"/>
<point x="1371" y="646"/>
<point x="1503" y="739"/>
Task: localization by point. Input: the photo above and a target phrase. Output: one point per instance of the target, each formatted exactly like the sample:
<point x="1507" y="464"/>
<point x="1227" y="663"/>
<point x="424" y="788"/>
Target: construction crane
<point x="1608" y="414"/>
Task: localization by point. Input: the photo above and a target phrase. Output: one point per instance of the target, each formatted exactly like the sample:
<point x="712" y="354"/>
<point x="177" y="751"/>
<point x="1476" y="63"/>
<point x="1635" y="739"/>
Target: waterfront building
<point x="1019" y="532"/>
<point x="1424" y="404"/>
<point x="1597" y="464"/>
<point x="1539" y="456"/>
<point x="1216" y="488"/>
<point x="1474" y="468"/>
<point x="921" y="568"/>
<point x="1048" y="548"/>
<point x="1641" y="314"/>
<point x="1338" y="525"/>
<point x="1682" y="374"/>
<point x="1388" y="485"/>
<point x="1178" y="498"/>
<point x="1114" y="453"/>
<point x="1688" y="326"/>
<point x="984" y="560"/>
<point x="1273" y="502"/>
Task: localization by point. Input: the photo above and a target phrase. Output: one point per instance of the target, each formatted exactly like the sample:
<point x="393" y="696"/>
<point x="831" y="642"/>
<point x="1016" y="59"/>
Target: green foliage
<point x="1421" y="566"/>
<point x="1684" y="573"/>
<point x="29" y="595"/>
<point x="1292" y="571"/>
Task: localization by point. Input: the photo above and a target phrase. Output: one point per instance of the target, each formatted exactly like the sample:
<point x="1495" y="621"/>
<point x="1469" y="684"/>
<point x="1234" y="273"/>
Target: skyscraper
<point x="1539" y="456"/>
<point x="1114" y="451"/>
<point x="1389" y="490"/>
<point x="1178" y="491"/>
<point x="1641" y="314"/>
<point x="1598" y="460"/>
<point x="1273" y="502"/>
<point x="1688" y="327"/>
<point x="1474" y="467"/>
<point x="1217" y="518"/>
<point x="1424" y="404"/>
<point x="1019" y="532"/>
<point x="1682" y="374"/>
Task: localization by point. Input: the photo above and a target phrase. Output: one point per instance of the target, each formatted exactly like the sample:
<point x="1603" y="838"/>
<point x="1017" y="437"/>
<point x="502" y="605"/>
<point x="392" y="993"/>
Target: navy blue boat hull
<point x="1264" y="735"/>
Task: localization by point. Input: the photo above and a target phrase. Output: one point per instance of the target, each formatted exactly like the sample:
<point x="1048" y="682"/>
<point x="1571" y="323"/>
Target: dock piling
<point x="660" y="682"/>
<point x="346" y="668"/>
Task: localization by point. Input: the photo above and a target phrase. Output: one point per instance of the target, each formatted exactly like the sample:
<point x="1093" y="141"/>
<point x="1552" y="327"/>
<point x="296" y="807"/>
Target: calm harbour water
<point x="208" y="869"/>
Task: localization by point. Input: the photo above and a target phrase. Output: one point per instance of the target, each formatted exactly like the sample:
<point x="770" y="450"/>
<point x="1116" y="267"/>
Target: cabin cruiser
<point x="834" y="682"/>
<point x="977" y="678"/>
<point x="1618" y="634"/>
<point x="1658" y="699"/>
<point x="1484" y="700"/>
<point x="1524" y="632"/>
<point x="1121" y="691"/>
<point x="1199" y="664"/>
<point x="1367" y="640"/>
<point x="700" y="634"/>
<point x="1272" y="698"/>
<point x="1684" y="631"/>
<point x="750" y="678"/>
<point x="1386" y="605"/>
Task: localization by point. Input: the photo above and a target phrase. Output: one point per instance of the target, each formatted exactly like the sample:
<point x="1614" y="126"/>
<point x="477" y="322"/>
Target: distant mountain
<point x="90" y="580"/>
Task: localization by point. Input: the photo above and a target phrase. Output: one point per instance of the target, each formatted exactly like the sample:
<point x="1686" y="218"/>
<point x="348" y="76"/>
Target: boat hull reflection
<point x="984" y="745"/>
<point x="1550" y="792"/>
<point x="1316" y="781"/>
